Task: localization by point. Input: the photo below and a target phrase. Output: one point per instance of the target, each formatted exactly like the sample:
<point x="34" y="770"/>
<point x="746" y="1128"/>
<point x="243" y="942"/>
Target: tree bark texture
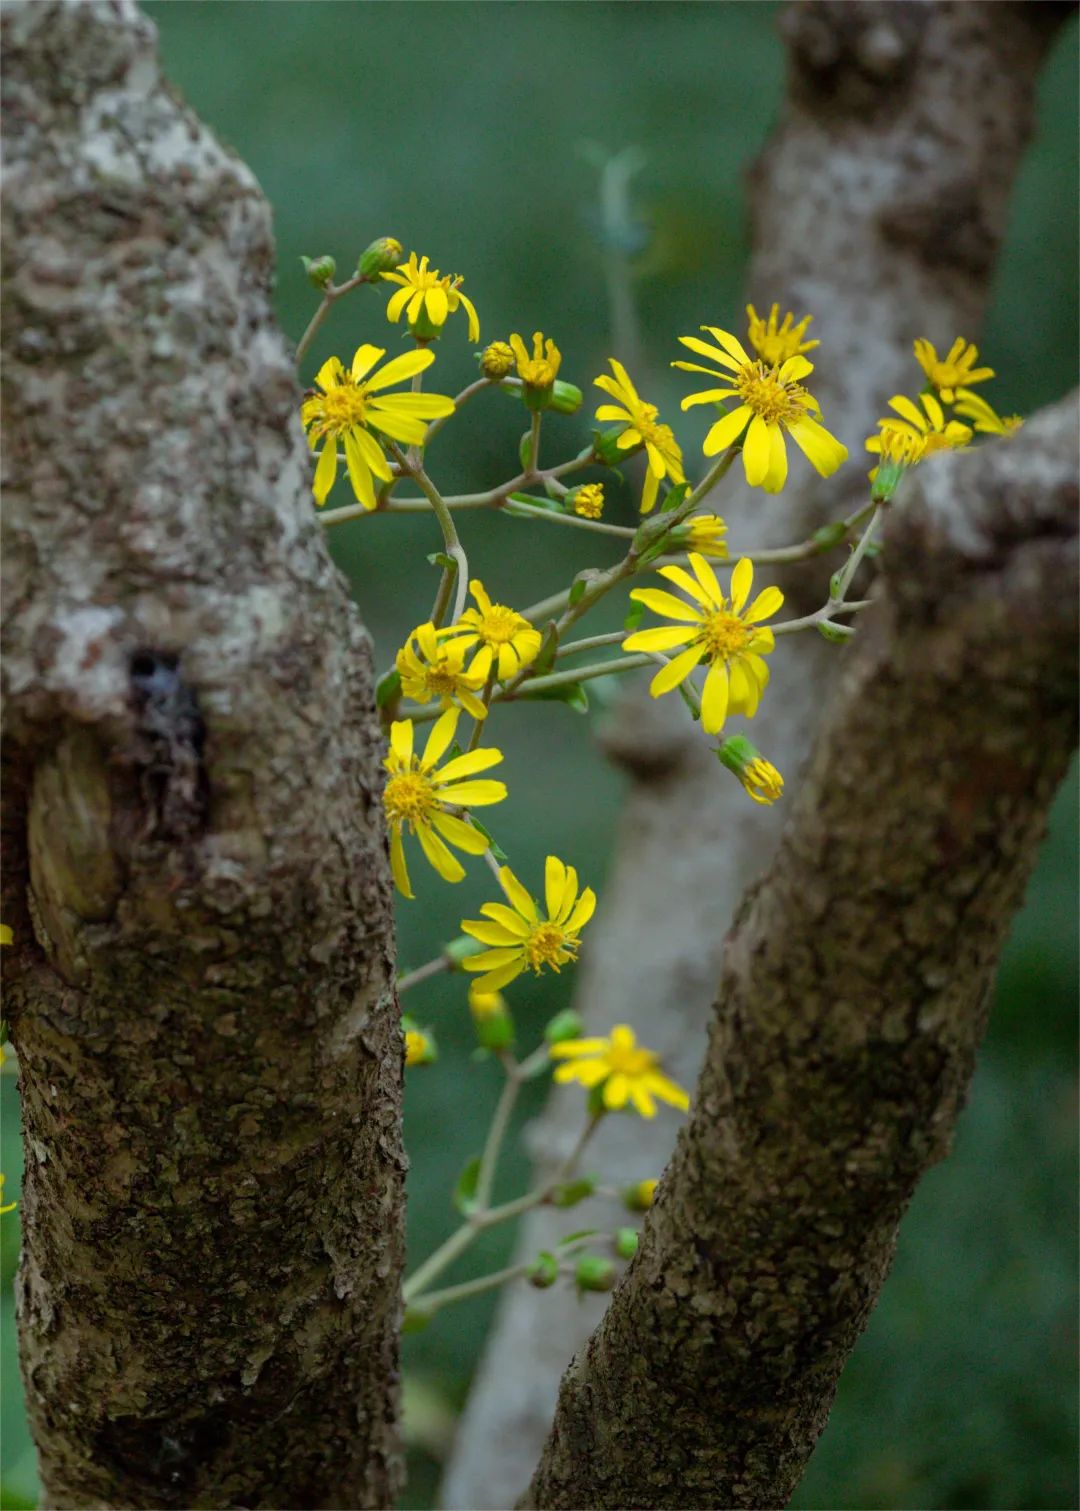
<point x="201" y="991"/>
<point x="879" y="206"/>
<point x="853" y="994"/>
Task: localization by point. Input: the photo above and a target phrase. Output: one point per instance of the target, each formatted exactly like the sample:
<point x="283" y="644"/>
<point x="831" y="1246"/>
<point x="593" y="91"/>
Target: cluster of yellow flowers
<point x="757" y="391"/>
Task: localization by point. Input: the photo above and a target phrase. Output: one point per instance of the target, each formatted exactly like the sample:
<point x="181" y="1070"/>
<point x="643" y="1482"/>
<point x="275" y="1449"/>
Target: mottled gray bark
<point x="853" y="994"/>
<point x="879" y="207"/>
<point x="201" y="989"/>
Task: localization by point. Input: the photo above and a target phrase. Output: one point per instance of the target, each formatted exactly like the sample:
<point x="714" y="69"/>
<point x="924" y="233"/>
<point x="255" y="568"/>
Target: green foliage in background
<point x="461" y="130"/>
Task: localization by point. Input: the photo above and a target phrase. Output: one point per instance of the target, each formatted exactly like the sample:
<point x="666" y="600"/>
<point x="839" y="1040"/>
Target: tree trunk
<point x="201" y="991"/>
<point x="879" y="206"/>
<point x="853" y="995"/>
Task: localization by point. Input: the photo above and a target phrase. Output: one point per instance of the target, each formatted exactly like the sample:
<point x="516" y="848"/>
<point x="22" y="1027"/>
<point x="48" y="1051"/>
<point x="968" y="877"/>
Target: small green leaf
<point x="634" y="615"/>
<point x="493" y="844"/>
<point x="837" y="634"/>
<point x="576" y="1237"/>
<point x="465" y="1190"/>
<point x="525" y="451"/>
<point x="545" y="657"/>
<point x="534" y="502"/>
<point x="573" y="1191"/>
<point x="388" y="688"/>
<point x="674" y="497"/>
<point x="571" y="693"/>
<point x="626" y="1243"/>
<point x="440" y="559"/>
<point x="578" y="586"/>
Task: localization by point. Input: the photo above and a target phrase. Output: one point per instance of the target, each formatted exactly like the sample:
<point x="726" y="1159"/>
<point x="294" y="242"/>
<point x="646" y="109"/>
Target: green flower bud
<point x="544" y="1271"/>
<point x="320" y="270"/>
<point x="639" y="1198"/>
<point x="461" y="948"/>
<point x="491" y="1019"/>
<point x="565" y="397"/>
<point x="564" y="1025"/>
<point x="759" y="777"/>
<point x="382" y="256"/>
<point x="591" y="1273"/>
<point x="626" y="1243"/>
<point x="573" y="1191"/>
<point x="606" y="448"/>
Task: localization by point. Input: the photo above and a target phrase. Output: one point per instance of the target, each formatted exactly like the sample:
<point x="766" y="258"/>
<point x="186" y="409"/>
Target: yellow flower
<point x="542" y="368"/>
<point x="985" y="419"/>
<point x="433" y="666"/>
<point x="419" y="794"/>
<point x="497" y="360"/>
<point x="484" y="1005"/>
<point x="588" y="500"/>
<point x="349" y="409"/>
<point x="918" y="433"/>
<point x="642" y="429"/>
<point x="771" y="401"/>
<point x="520" y="937"/>
<point x="775" y="343"/>
<point x="705" y="533"/>
<point x="11" y="1205"/>
<point x="955" y="371"/>
<point x="625" y="1071"/>
<point x="419" y="1045"/>
<point x="429" y="298"/>
<point x="6" y="936"/>
<point x="714" y="630"/>
<point x="759" y="777"/>
<point x="640" y="1197"/>
<point x="503" y="636"/>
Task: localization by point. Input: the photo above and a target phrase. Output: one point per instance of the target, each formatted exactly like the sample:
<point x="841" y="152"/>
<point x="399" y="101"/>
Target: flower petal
<point x="756" y="452"/>
<point x="460" y="834"/>
<point x="665" y="638"/>
<point x="675" y="671"/>
<point x="511" y="921"/>
<point x="400" y="368"/>
<point x="714" y="699"/>
<point x="401" y="740"/>
<point x="667" y="604"/>
<point x="554" y="880"/>
<point x="764" y="606"/>
<point x="474" y="794"/>
<point x="398" y="867"/>
<point x="440" y="739"/>
<point x="517" y="894"/>
<point x="470" y="763"/>
<point x="727" y="430"/>
<point x="447" y="865"/>
<point x="742" y="580"/>
<point x="364" y="359"/>
<point x="326" y="471"/>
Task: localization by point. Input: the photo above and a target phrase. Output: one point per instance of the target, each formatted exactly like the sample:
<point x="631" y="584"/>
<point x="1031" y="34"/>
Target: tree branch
<point x="853" y="995"/>
<point x="201" y="992"/>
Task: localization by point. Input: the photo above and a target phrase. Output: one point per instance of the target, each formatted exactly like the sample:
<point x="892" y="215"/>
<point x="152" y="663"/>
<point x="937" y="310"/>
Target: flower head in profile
<point x="503" y="638"/>
<point x="523" y="937"/>
<point x="432" y="665"/>
<point x="351" y="406"/>
<point x="642" y="429"/>
<point x="957" y="370"/>
<point x="721" y="632"/>
<point x="983" y="417"/>
<point x="707" y="534"/>
<point x="428" y="299"/>
<point x="759" y="777"/>
<point x="774" y="341"/>
<point x="925" y="428"/>
<point x="588" y="500"/>
<point x="542" y="368"/>
<point x="420" y="796"/>
<point x="622" y="1069"/>
<point x="420" y="1046"/>
<point x="771" y="403"/>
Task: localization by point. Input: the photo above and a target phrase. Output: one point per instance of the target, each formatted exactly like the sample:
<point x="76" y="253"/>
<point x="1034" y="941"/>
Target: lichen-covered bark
<point x="853" y="995"/>
<point x="201" y="989"/>
<point x="878" y="206"/>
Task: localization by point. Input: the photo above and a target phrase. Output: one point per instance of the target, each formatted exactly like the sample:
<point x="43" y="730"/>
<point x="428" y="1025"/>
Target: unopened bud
<point x="382" y="256"/>
<point x="606" y="446"/>
<point x="626" y="1243"/>
<point x="761" y="780"/>
<point x="544" y="1271"/>
<point x="587" y="501"/>
<point x="420" y="1046"/>
<point x="591" y="1273"/>
<point x="566" y="398"/>
<point x="564" y="1025"/>
<point x="497" y="360"/>
<point x="320" y="270"/>
<point x="573" y="1191"/>
<point x="491" y="1019"/>
<point x="639" y="1198"/>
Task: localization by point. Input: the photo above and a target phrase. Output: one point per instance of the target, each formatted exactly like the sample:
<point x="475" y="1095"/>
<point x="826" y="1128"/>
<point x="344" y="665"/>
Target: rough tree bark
<point x="853" y="995"/>
<point x="201" y="991"/>
<point x="879" y="206"/>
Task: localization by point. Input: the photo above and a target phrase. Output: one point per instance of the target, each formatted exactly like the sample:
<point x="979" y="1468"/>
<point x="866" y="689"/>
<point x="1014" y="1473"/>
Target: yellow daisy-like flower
<point x="957" y="370"/>
<point x="352" y="405"/>
<point x="772" y="400"/>
<point x="775" y="342"/>
<point x="622" y="1068"/>
<point x="706" y="533"/>
<point x="539" y="371"/>
<point x="588" y="500"/>
<point x="523" y="939"/>
<point x="419" y="795"/>
<point x="642" y="429"/>
<point x="504" y="638"/>
<point x="716" y="630"/>
<point x="11" y="1205"/>
<point x="985" y="419"/>
<point x="927" y="428"/>
<point x="433" y="666"/>
<point x="428" y="298"/>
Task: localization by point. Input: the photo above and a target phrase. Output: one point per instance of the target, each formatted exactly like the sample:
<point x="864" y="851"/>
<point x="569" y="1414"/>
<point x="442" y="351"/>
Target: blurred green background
<point x="463" y="130"/>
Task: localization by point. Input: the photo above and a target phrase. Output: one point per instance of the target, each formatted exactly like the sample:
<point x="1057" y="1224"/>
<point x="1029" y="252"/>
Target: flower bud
<point x="544" y="1271"/>
<point x="639" y="1198"/>
<point x="564" y="1025"/>
<point x="420" y="1046"/>
<point x="761" y="780"/>
<point x="497" y="360"/>
<point x="382" y="256"/>
<point x="588" y="500"/>
<point x="320" y="270"/>
<point x="626" y="1243"/>
<point x="491" y="1019"/>
<point x="703" y="533"/>
<point x="566" y="398"/>
<point x="591" y="1273"/>
<point x="606" y="448"/>
<point x="573" y="1191"/>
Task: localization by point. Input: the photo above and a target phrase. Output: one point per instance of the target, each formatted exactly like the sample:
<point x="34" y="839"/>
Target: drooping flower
<point x="642" y="429"/>
<point x="983" y="417"/>
<point x="588" y="500"/>
<point x="502" y="635"/>
<point x="957" y="370"/>
<point x="351" y="406"/>
<point x="771" y="401"/>
<point x="759" y="777"/>
<point x="716" y="630"/>
<point x="432" y="665"/>
<point x="520" y="936"/>
<point x="706" y="533"/>
<point x="775" y="342"/>
<point x="420" y="795"/>
<point x="428" y="298"/>
<point x="623" y="1069"/>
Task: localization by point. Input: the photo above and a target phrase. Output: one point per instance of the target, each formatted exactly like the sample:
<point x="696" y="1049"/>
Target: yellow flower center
<point x="537" y="373"/>
<point x="410" y="798"/>
<point x="441" y="680"/>
<point x="761" y="389"/>
<point x="623" y="1060"/>
<point x="661" y="436"/>
<point x="344" y="406"/>
<point x="723" y="636"/>
<point x="499" y="625"/>
<point x="549" y="945"/>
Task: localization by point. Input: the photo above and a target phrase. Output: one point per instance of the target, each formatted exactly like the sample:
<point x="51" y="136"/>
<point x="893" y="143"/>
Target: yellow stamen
<point x="410" y="798"/>
<point x="723" y="635"/>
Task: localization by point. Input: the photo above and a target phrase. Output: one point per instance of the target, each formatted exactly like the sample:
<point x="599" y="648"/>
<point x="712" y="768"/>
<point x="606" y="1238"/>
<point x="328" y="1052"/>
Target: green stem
<point x="497" y="1132"/>
<point x="453" y="545"/>
<point x="552" y="517"/>
<point x="330" y="294"/>
<point x="424" y="973"/>
<point x="591" y="643"/>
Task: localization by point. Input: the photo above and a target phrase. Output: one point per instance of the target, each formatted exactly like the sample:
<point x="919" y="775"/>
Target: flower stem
<point x="330" y="293"/>
<point x="453" y="545"/>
